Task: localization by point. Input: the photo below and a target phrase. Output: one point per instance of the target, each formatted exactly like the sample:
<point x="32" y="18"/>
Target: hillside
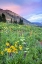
<point x="37" y="23"/>
<point x="15" y="17"/>
<point x="18" y="42"/>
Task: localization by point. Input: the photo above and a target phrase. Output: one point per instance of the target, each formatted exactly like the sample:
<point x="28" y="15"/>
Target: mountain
<point x="11" y="15"/>
<point x="37" y="23"/>
<point x="15" y="17"/>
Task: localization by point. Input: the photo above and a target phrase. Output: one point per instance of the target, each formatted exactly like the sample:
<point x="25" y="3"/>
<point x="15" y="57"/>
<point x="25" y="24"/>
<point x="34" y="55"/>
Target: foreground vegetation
<point x="20" y="44"/>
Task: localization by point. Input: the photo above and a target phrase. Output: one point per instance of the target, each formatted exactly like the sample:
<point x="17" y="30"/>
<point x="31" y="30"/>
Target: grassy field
<point x="20" y="44"/>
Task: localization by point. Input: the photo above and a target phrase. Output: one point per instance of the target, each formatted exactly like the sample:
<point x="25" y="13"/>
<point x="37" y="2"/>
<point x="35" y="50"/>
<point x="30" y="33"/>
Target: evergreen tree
<point x="11" y="20"/>
<point x="0" y="19"/>
<point x="15" y="22"/>
<point x="3" y="17"/>
<point x="21" y="22"/>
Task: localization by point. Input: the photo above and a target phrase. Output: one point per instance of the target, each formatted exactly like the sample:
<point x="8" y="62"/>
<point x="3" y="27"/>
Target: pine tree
<point x="15" y="22"/>
<point x="11" y="20"/>
<point x="3" y="17"/>
<point x="0" y="19"/>
<point x="21" y="22"/>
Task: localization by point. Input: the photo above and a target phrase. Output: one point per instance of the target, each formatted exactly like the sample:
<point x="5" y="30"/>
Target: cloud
<point x="26" y="6"/>
<point x="21" y="10"/>
<point x="13" y="7"/>
<point x="35" y="17"/>
<point x="23" y="7"/>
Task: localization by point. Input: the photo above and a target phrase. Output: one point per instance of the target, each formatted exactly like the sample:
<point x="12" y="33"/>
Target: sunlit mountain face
<point x="29" y="9"/>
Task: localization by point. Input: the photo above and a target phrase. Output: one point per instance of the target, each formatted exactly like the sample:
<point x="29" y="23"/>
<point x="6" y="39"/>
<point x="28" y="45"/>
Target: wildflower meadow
<point x="20" y="44"/>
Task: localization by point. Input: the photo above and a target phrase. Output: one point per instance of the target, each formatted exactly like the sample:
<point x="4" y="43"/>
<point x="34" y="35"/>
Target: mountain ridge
<point x="15" y="17"/>
<point x="37" y="23"/>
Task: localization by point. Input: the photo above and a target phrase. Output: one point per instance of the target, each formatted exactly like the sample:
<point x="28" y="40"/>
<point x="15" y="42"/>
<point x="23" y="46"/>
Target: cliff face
<point x="11" y="15"/>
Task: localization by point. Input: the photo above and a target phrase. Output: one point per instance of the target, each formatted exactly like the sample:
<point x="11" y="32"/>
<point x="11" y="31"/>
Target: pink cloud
<point x="24" y="9"/>
<point x="21" y="10"/>
<point x="14" y="8"/>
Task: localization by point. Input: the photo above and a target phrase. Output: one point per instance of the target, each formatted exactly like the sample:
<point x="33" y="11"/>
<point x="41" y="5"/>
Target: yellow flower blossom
<point x="15" y="45"/>
<point x="5" y="49"/>
<point x="8" y="50"/>
<point x="12" y="47"/>
<point x="2" y="53"/>
<point x="7" y="44"/>
<point x="20" y="47"/>
<point x="14" y="50"/>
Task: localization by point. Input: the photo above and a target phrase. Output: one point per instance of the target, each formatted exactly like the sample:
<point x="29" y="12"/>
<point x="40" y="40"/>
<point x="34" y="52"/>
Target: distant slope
<point x="37" y="23"/>
<point x="15" y="17"/>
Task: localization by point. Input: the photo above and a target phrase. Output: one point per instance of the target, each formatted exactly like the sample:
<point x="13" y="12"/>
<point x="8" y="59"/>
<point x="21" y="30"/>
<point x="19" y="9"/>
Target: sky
<point x="29" y="9"/>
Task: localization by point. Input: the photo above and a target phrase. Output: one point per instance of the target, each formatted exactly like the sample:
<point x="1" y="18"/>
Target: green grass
<point x="29" y="37"/>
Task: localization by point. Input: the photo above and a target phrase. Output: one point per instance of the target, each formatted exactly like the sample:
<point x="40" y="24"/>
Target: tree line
<point x="3" y="19"/>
